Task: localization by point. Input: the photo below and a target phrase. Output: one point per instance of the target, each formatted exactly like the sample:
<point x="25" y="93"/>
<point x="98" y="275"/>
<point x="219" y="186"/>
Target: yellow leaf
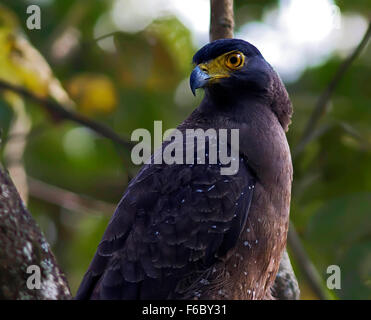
<point x="23" y="65"/>
<point x="93" y="93"/>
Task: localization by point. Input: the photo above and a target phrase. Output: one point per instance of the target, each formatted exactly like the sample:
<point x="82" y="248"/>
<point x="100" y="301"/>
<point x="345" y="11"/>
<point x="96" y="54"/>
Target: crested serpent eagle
<point x="186" y="231"/>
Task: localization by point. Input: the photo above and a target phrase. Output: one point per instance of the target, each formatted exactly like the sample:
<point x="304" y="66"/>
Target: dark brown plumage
<point x="185" y="231"/>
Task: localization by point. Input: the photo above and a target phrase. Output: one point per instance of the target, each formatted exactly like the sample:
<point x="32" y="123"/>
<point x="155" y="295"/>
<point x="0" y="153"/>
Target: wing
<point x="173" y="221"/>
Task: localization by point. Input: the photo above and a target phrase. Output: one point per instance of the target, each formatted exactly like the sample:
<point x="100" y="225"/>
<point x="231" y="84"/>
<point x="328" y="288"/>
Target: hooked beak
<point x="198" y="79"/>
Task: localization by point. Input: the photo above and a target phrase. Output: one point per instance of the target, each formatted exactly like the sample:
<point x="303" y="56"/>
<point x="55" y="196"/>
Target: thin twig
<point x="59" y="111"/>
<point x="320" y="108"/>
<point x="306" y="266"/>
<point x="107" y="35"/>
<point x="67" y="199"/>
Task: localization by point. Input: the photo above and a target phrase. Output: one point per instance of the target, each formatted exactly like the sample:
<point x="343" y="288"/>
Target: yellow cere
<point x="222" y="66"/>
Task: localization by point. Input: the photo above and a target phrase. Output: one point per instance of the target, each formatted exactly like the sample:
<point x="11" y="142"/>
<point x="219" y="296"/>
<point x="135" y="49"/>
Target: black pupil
<point x="233" y="60"/>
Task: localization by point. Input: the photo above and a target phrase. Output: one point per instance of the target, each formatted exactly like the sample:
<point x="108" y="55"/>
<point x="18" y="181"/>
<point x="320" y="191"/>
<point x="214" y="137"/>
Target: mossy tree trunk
<point x="28" y="268"/>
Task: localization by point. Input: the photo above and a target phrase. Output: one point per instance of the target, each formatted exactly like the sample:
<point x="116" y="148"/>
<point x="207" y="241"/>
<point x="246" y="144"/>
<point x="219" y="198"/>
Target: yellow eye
<point x="234" y="60"/>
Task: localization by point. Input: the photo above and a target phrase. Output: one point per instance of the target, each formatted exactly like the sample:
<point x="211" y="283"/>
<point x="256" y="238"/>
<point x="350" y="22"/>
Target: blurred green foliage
<point x="145" y="79"/>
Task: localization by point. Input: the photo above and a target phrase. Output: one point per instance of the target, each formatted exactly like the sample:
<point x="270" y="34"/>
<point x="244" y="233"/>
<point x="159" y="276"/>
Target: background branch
<point x="321" y="107"/>
<point x="305" y="264"/>
<point x="60" y="112"/>
<point x="14" y="148"/>
<point x="67" y="199"/>
<point x="221" y="19"/>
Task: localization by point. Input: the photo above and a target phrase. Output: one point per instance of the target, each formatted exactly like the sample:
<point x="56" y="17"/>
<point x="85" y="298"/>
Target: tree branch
<point x="21" y="245"/>
<point x="221" y="19"/>
<point x="58" y="111"/>
<point x="286" y="286"/>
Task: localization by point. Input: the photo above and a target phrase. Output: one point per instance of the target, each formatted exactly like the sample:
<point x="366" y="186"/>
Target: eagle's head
<point x="234" y="69"/>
